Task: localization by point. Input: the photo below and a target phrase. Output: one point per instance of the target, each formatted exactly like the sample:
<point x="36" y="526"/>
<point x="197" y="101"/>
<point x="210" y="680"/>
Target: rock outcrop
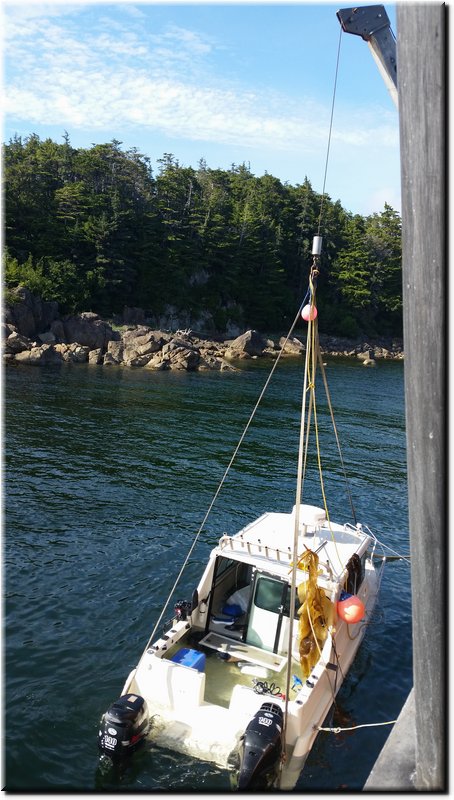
<point x="87" y="329"/>
<point x="30" y="315"/>
<point x="33" y="333"/>
<point x="247" y="345"/>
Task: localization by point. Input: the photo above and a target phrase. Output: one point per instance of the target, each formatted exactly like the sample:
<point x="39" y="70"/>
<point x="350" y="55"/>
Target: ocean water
<point x="108" y="475"/>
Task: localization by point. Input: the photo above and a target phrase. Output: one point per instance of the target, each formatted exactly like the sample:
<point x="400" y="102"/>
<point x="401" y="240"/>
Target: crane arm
<point x="373" y="25"/>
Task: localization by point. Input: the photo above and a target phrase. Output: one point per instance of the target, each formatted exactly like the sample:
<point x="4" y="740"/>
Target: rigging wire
<point x="311" y="295"/>
<point x="309" y="383"/>
<point x="397" y="555"/>
<point x="298" y="497"/>
<point x="330" y="131"/>
<point x="328" y="397"/>
<point x="222" y="481"/>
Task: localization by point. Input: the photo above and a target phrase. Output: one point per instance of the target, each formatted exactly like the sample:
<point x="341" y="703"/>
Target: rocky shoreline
<point x="34" y="333"/>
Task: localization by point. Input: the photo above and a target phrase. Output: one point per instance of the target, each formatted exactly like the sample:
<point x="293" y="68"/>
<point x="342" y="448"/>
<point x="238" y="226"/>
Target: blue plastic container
<point x="190" y="658"/>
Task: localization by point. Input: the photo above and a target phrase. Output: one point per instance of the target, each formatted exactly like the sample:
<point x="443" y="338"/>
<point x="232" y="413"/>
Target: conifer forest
<point x="97" y="230"/>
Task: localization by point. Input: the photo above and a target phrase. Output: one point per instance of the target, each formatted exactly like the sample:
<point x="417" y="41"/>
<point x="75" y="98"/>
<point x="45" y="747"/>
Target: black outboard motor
<point x="123" y="726"/>
<point x="182" y="610"/>
<point x="260" y="749"/>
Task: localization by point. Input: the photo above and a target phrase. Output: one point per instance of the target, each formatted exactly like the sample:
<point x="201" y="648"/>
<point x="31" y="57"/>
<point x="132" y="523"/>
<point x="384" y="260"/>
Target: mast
<point x="316" y="251"/>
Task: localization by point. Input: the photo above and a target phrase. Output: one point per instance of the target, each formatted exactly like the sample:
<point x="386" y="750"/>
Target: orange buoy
<point x="350" y="608"/>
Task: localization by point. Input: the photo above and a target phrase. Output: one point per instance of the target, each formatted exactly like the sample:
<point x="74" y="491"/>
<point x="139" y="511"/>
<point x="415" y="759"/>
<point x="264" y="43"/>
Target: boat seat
<point x="229" y="625"/>
<point x="171" y="684"/>
<point x="229" y="618"/>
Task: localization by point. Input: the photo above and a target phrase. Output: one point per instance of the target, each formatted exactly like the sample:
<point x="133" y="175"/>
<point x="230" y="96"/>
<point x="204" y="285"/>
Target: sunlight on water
<point x="108" y="476"/>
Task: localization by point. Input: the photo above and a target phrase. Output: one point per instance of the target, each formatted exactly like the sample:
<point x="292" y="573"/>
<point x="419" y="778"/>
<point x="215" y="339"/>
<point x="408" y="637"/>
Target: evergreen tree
<point x="95" y="229"/>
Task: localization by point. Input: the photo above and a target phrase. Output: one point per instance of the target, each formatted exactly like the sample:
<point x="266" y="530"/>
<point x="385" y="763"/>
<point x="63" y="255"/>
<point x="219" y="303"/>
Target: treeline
<point x="96" y="230"/>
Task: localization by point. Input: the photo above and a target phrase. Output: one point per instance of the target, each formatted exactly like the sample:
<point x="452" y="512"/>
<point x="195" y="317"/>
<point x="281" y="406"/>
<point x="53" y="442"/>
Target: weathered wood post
<point x="421" y="32"/>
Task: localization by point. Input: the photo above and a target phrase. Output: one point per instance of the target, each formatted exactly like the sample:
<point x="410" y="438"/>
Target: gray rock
<point x="140" y="342"/>
<point x="16" y="343"/>
<point x="226" y="366"/>
<point x="174" y="344"/>
<point x="87" y="329"/>
<point x="115" y="352"/>
<point x="30" y="314"/>
<point x="44" y="313"/>
<point x="6" y="330"/>
<point x="58" y="330"/>
<point x="64" y="351"/>
<point x="23" y="357"/>
<point x="109" y="360"/>
<point x="45" y="354"/>
<point x="250" y="343"/>
<point x="21" y="313"/>
<point x="95" y="356"/>
<point x="78" y="353"/>
<point x="157" y="363"/>
<point x="184" y="358"/>
<point x="292" y="347"/>
<point x="47" y="338"/>
<point x="137" y="360"/>
<point x="366" y="354"/>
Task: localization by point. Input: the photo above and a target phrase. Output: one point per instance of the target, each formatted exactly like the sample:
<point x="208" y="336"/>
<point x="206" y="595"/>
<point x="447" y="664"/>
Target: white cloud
<point x="121" y="75"/>
<point x="191" y="41"/>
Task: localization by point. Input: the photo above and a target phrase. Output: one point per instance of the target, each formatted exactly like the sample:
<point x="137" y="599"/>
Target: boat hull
<point x="191" y="717"/>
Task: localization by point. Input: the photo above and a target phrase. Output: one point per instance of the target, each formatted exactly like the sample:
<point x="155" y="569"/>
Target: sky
<point x="228" y="83"/>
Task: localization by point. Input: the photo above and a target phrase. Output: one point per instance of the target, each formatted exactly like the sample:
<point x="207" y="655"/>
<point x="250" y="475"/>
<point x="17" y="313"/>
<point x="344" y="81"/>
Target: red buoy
<point x="350" y="608"/>
<point x="309" y="313"/>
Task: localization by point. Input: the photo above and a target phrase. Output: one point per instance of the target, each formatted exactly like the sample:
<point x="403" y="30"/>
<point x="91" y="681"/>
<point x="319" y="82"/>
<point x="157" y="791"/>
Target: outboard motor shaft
<point x="123" y="726"/>
<point x="260" y="748"/>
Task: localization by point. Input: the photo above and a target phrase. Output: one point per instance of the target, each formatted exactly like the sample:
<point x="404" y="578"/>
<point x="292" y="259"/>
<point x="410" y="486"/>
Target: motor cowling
<point x="123" y="726"/>
<point x="260" y="749"/>
<point x="182" y="610"/>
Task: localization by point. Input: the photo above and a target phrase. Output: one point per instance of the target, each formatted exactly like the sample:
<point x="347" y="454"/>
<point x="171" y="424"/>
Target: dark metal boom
<point x="373" y="25"/>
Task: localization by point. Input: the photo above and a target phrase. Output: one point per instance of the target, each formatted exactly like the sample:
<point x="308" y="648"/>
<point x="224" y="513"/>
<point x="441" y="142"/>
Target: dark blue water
<point x="108" y="475"/>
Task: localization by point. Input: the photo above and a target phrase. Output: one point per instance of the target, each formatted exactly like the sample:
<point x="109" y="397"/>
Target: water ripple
<point x="108" y="477"/>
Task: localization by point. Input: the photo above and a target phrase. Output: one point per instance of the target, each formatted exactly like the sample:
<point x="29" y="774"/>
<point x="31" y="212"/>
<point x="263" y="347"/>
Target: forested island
<point x="96" y="230"/>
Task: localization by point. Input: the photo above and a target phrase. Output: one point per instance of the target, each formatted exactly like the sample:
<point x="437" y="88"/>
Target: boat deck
<point x="244" y="652"/>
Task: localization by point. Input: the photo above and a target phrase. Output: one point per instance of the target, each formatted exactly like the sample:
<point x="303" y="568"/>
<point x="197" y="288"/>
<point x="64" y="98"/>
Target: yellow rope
<point x="312" y="367"/>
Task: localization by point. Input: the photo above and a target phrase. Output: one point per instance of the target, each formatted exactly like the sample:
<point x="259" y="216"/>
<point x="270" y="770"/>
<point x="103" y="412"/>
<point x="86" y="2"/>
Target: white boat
<point x="247" y="671"/>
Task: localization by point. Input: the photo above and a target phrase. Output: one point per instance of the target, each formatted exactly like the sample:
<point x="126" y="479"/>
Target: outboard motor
<point x="260" y="749"/>
<point x="123" y="726"/>
<point x="182" y="610"/>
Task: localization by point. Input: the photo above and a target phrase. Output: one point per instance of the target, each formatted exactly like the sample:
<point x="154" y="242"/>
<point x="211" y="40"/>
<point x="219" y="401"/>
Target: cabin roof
<point x="268" y="543"/>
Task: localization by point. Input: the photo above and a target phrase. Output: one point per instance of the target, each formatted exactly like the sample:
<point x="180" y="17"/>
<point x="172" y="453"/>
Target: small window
<point x="223" y="565"/>
<point x="268" y="594"/>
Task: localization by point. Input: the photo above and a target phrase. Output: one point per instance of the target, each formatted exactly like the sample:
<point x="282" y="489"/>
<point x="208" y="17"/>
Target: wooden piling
<point x="421" y="49"/>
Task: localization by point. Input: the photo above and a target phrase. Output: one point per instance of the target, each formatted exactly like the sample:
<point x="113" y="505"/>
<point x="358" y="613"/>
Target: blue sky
<point x="228" y="83"/>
